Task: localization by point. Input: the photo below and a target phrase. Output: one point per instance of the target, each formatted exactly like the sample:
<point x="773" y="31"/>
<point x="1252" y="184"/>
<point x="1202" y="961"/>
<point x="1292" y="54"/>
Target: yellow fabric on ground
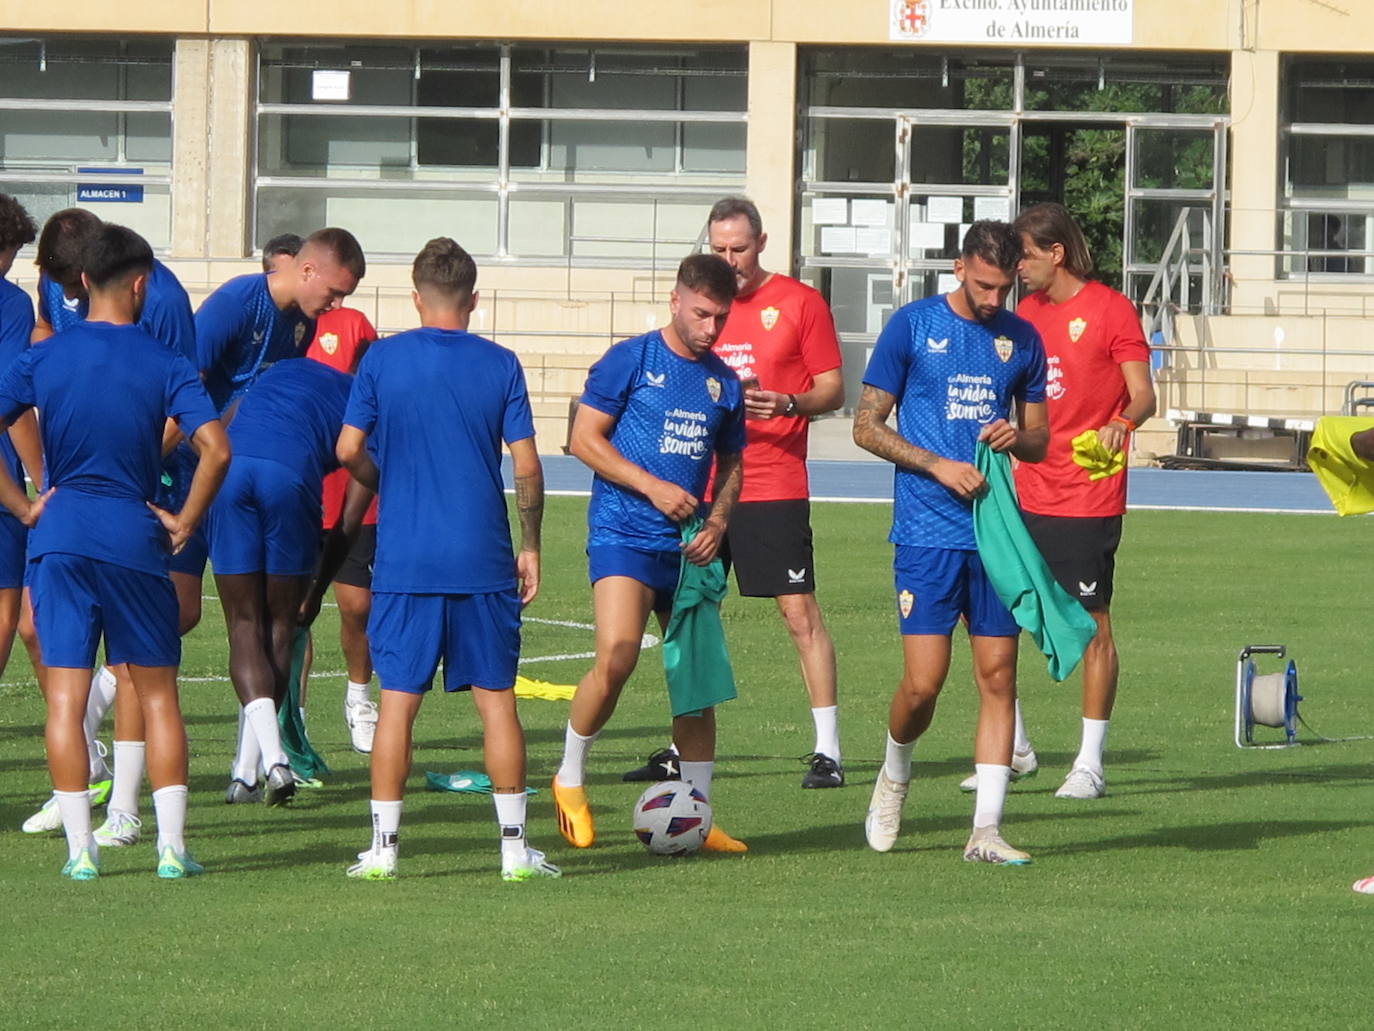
<point x="527" y="688"/>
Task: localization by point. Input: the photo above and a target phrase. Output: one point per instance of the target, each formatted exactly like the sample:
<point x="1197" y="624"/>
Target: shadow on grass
<point x="1216" y="837"/>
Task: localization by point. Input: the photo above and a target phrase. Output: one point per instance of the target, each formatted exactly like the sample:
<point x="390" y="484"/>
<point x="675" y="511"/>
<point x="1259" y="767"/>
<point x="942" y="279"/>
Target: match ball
<point x="672" y="818"/>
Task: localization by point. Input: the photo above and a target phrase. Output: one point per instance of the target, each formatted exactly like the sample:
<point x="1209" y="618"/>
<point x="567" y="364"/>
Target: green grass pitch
<point x="1211" y="887"/>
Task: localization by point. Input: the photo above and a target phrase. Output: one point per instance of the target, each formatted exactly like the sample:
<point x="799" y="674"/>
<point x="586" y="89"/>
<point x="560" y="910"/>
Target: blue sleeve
<point x="887" y="368"/>
<point x="186" y="400"/>
<point x="730" y="440"/>
<point x="43" y="312"/>
<point x="361" y="412"/>
<point x="610" y="380"/>
<point x="170" y="320"/>
<point x="518" y="421"/>
<point x="217" y="323"/>
<point x="16" y="326"/>
<point x="16" y="386"/>
<point x="1032" y="388"/>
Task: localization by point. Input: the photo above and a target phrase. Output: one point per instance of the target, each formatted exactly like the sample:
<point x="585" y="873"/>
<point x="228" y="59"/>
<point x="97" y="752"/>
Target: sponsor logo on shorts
<point x="713" y="387"/>
<point x="1004" y="347"/>
<point x="1076" y="327"/>
<point x="769" y="317"/>
<point x="655" y="381"/>
<point x="905" y="600"/>
<point x="934" y="346"/>
<point x="796" y="576"/>
<point x="1087" y="590"/>
<point x="329" y="342"/>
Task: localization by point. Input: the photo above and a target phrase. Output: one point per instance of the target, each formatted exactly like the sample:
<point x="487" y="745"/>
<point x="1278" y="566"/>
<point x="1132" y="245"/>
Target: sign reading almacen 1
<point x="1052" y="22"/>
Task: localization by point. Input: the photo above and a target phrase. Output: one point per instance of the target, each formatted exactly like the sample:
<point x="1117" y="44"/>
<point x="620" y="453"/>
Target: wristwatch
<point x="791" y="408"/>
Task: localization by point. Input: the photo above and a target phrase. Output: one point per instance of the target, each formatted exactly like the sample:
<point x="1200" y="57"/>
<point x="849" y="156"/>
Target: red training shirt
<point x="1086" y="340"/>
<point x="339" y="335"/>
<point x="784" y="335"/>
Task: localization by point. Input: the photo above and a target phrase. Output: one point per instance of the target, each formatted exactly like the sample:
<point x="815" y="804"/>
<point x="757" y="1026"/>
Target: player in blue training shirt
<point x="264" y="531"/>
<point x="98" y="547"/>
<point x="425" y="422"/>
<point x="655" y="412"/>
<point x="953" y="365"/>
<point x="166" y="316"/>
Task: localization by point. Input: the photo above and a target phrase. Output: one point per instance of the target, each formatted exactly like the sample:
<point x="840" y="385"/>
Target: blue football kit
<point x="16" y="326"/>
<point x="951" y="376"/>
<point x="103" y="461"/>
<point x="266" y="516"/>
<point x="436" y="406"/>
<point x="239" y="330"/>
<point x="166" y="312"/>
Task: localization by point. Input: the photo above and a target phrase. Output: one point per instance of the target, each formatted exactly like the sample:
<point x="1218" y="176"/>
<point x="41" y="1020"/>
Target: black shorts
<point x="1081" y="553"/>
<point x="356" y="570"/>
<point x="769" y="544"/>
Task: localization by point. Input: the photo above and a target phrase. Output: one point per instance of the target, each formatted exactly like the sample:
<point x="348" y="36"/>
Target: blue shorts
<point x="14" y="543"/>
<point x="264" y="519"/>
<point x="658" y="570"/>
<point x="476" y="636"/>
<point x="935" y="586"/>
<point x="190" y="560"/>
<point x="77" y="599"/>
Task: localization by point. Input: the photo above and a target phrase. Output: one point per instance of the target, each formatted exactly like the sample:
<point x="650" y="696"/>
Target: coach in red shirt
<point x="1099" y="379"/>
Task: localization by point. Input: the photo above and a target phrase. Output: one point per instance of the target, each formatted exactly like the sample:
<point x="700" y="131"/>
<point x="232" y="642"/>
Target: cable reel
<point x="1266" y="699"/>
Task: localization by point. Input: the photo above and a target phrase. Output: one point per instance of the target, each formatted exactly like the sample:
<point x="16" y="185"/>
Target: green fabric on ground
<point x="305" y="761"/>
<point x="465" y="782"/>
<point x="1059" y="625"/>
<point x="1347" y="479"/>
<point x="695" y="661"/>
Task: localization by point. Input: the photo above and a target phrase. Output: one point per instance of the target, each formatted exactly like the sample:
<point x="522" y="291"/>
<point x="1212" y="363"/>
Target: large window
<point x="88" y="123"/>
<point x="555" y="153"/>
<point x="1327" y="208"/>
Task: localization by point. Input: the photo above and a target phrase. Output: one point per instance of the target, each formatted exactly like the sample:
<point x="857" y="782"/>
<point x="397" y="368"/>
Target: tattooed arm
<point x="529" y="505"/>
<point x="872" y="433"/>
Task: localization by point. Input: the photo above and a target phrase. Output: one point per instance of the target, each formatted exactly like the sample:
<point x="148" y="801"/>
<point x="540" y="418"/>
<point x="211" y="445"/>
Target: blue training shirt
<point x="103" y="459"/>
<point x="239" y="329"/>
<point x="16" y="327"/>
<point x="673" y="415"/>
<point x="436" y="405"/>
<point x="951" y="376"/>
<point x="292" y="414"/>
<point x="166" y="310"/>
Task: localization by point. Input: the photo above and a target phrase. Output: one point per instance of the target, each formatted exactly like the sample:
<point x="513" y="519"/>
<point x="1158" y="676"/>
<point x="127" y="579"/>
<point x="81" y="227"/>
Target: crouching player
<point x="98" y="549"/>
<point x="425" y="422"/>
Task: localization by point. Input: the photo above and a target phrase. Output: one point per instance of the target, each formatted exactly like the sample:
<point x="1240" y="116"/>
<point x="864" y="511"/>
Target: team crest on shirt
<point x="713" y="388"/>
<point x="1076" y="327"/>
<point x="905" y="600"/>
<point x="300" y="333"/>
<point x="769" y="317"/>
<point x="1004" y="347"/>
<point x="329" y="342"/>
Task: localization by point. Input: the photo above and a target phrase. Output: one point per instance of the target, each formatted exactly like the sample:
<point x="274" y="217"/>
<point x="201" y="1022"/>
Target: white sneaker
<point x="884" y="818"/>
<point x="118" y="829"/>
<point x="985" y="845"/>
<point x="534" y="865"/>
<point x="1023" y="766"/>
<point x="1082" y="783"/>
<point x="375" y="865"/>
<point x="49" y="817"/>
<point x="361" y="718"/>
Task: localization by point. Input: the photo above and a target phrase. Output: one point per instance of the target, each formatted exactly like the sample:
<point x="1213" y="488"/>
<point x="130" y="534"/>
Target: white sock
<point x="356" y="693"/>
<point x="98" y="703"/>
<point x="1021" y="743"/>
<point x="992" y="794"/>
<point x="1094" y="740"/>
<point x="128" y="776"/>
<point x="897" y="765"/>
<point x="261" y="716"/>
<point x="575" y="749"/>
<point x="249" y="755"/>
<point x="169" y="804"/>
<point x="75" y="807"/>
<point x="386" y="825"/>
<point x="698" y="774"/>
<point x="827" y="721"/>
<point x="510" y="817"/>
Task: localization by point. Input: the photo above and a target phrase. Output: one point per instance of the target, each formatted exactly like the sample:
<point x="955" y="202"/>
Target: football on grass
<point x="672" y="818"/>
